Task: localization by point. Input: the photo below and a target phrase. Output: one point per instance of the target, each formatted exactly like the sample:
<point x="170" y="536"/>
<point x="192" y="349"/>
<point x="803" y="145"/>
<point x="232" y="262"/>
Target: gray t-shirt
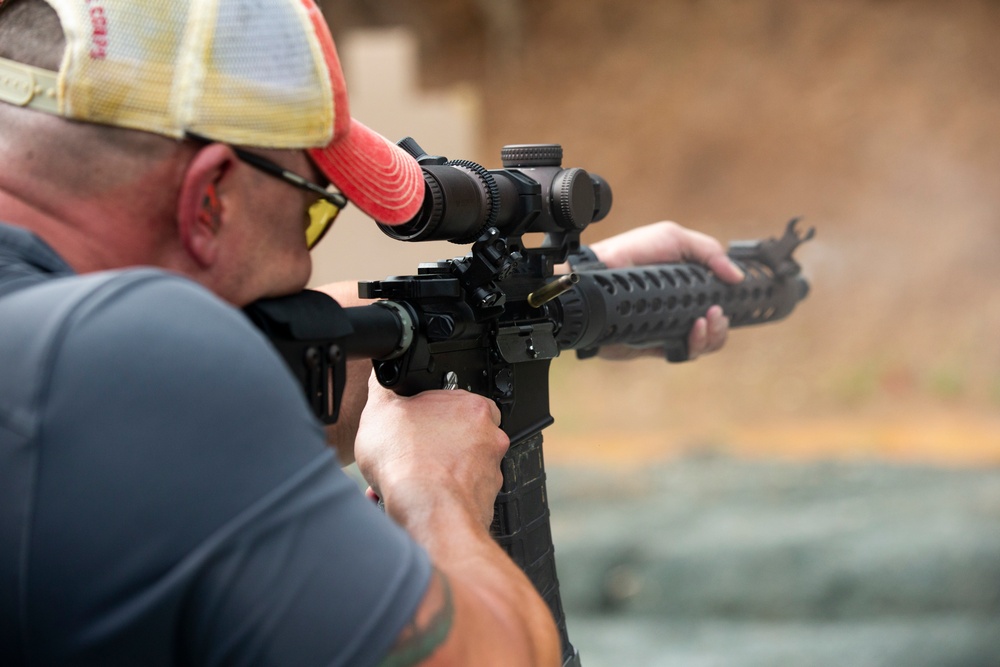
<point x="166" y="497"/>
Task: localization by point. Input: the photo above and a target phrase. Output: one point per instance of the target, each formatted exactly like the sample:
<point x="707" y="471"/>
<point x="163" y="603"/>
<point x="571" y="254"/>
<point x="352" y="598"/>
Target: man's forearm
<point x="498" y="617"/>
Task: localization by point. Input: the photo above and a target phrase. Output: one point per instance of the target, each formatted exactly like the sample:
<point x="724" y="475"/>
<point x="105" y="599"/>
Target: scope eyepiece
<point x="459" y="202"/>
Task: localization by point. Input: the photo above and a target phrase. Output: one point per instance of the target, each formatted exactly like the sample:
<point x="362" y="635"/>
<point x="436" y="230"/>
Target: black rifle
<point x="491" y="321"/>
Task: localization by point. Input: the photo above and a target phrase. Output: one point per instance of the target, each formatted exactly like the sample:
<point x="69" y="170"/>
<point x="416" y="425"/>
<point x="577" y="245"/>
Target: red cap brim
<point x="377" y="176"/>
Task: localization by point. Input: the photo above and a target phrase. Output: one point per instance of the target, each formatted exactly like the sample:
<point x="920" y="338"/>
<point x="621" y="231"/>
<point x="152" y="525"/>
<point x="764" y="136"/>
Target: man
<point x="165" y="495"/>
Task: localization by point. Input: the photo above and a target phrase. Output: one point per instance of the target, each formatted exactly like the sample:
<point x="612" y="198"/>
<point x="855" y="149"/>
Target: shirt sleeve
<point x="207" y="521"/>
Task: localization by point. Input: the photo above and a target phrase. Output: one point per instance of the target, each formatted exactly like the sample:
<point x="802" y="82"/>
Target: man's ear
<point x="201" y="212"/>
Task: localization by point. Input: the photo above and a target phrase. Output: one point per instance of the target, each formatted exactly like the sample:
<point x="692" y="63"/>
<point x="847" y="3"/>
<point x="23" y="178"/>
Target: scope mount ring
<point x="493" y="195"/>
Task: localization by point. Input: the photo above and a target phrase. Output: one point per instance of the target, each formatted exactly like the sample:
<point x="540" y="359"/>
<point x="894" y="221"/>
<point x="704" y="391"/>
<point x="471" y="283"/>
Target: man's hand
<point x="669" y="242"/>
<point x="411" y="449"/>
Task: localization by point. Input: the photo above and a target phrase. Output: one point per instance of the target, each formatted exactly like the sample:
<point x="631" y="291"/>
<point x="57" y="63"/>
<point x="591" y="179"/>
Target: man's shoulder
<point x="157" y="302"/>
<point x="101" y="293"/>
<point x="116" y="310"/>
<point x="60" y="296"/>
<point x="124" y="323"/>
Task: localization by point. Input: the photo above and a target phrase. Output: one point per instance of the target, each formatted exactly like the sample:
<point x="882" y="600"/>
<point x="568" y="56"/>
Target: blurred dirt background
<point x="876" y="120"/>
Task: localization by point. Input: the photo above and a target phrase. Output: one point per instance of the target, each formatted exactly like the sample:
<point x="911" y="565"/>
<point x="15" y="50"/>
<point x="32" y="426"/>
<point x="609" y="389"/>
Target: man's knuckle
<point x="478" y="407"/>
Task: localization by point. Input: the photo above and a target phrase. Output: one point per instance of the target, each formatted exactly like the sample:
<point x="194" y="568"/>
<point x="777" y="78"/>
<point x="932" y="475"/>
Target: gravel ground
<point x="717" y="561"/>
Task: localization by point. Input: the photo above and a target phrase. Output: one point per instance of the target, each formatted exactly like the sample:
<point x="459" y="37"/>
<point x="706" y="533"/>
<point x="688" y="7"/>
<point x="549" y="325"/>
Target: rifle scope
<point x="532" y="193"/>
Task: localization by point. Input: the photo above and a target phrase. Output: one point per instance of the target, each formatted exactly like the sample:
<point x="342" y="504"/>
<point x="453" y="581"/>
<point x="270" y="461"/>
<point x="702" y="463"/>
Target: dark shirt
<point x="166" y="497"/>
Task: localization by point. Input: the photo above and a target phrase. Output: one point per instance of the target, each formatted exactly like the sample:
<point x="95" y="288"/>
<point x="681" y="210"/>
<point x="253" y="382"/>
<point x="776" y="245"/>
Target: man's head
<point x="138" y="80"/>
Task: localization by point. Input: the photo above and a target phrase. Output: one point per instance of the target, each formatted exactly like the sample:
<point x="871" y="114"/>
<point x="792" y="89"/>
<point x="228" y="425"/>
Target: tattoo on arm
<point x="428" y="628"/>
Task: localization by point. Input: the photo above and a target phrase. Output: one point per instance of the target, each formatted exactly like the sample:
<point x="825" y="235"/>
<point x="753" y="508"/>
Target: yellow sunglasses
<point x="322" y="213"/>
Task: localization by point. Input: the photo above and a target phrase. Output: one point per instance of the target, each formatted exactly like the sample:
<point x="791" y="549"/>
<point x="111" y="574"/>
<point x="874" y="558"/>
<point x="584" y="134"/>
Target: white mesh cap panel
<point x="278" y="64"/>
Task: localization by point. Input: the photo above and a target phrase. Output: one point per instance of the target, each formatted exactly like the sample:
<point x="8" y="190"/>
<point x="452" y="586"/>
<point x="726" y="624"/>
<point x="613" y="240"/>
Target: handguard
<point x="656" y="305"/>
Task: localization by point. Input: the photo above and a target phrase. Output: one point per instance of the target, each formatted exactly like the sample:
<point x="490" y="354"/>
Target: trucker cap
<point x="261" y="73"/>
